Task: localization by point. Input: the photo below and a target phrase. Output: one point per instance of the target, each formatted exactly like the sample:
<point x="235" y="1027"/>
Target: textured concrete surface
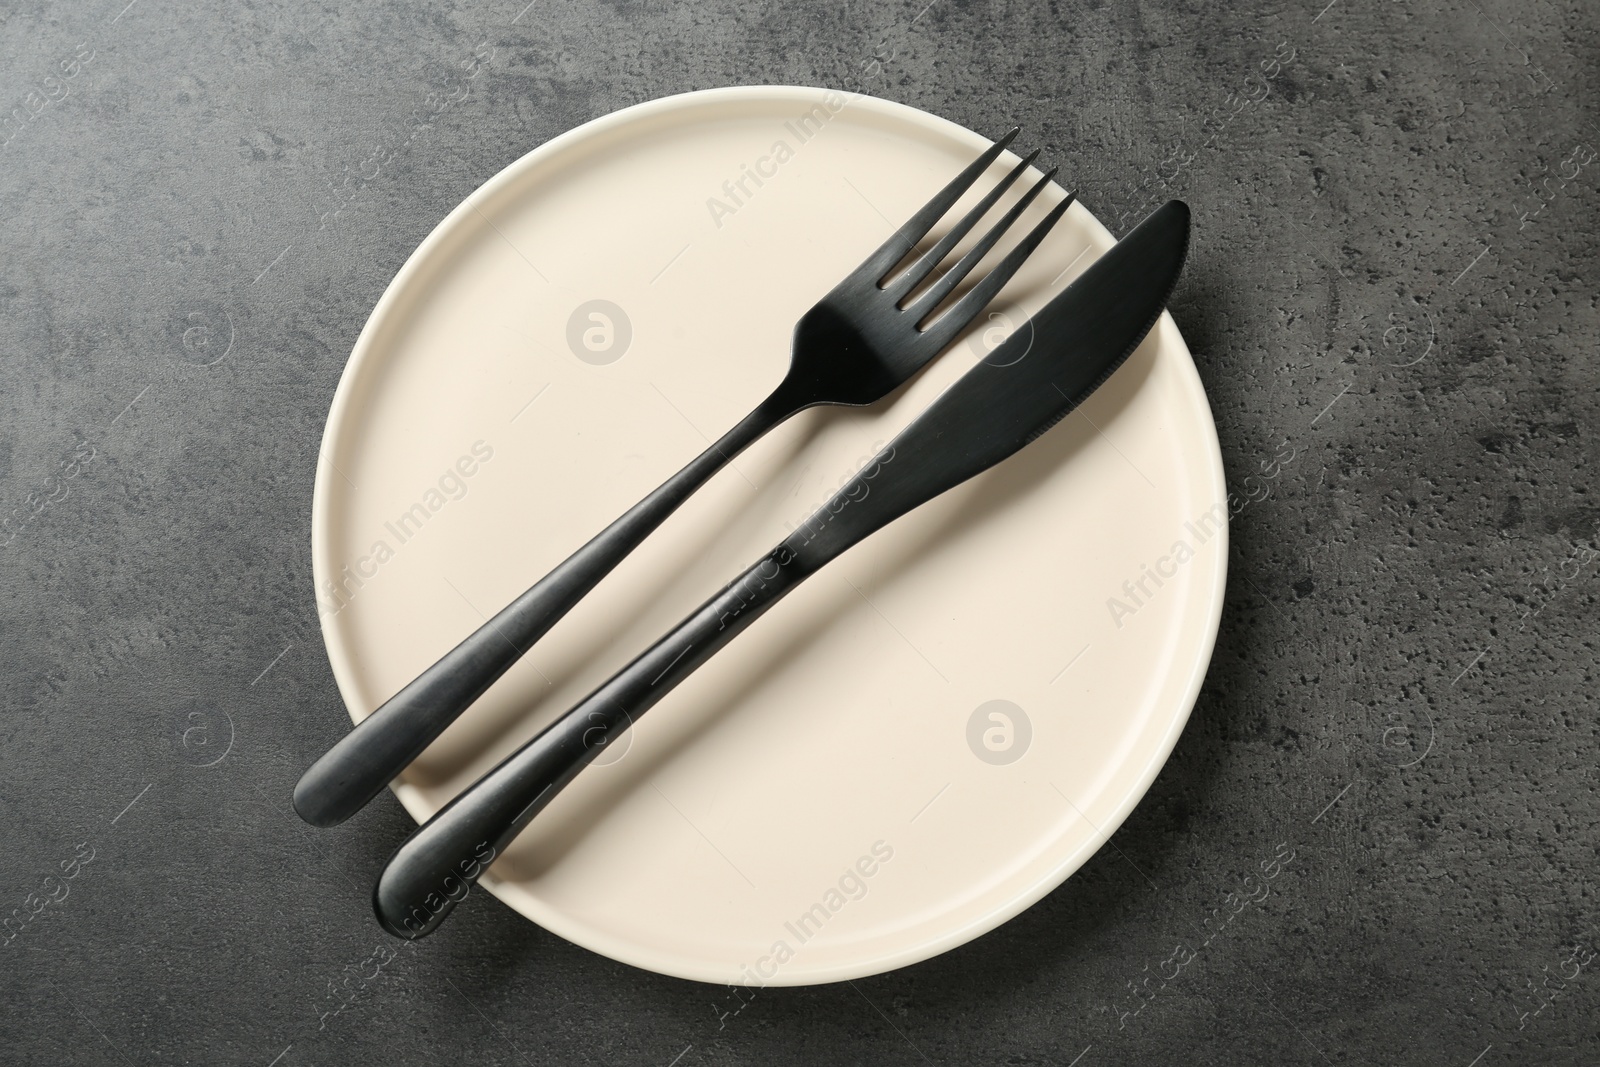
<point x="1391" y="299"/>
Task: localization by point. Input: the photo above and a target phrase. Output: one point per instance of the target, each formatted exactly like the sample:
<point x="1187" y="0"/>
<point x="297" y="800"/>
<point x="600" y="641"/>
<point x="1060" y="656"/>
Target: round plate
<point x="921" y="741"/>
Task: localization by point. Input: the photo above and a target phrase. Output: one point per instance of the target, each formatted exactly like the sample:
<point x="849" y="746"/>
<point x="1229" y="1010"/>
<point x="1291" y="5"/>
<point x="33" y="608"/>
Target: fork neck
<point x="783" y="402"/>
<point x="792" y="396"/>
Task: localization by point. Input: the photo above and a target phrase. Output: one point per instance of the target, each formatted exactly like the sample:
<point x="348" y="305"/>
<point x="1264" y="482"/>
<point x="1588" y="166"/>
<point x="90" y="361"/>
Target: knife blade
<point x="1028" y="384"/>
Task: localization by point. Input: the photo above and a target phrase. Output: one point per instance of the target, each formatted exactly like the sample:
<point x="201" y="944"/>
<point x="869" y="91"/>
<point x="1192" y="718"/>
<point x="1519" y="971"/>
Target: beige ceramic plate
<point x="917" y="744"/>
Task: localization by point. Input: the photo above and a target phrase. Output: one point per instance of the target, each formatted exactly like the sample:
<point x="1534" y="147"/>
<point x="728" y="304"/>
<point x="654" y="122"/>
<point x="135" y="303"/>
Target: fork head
<point x="872" y="331"/>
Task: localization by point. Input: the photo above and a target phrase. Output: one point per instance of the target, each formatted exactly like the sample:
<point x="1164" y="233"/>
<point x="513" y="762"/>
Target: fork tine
<point x="906" y="237"/>
<point x="952" y="277"/>
<point x="940" y="332"/>
<point x="935" y="255"/>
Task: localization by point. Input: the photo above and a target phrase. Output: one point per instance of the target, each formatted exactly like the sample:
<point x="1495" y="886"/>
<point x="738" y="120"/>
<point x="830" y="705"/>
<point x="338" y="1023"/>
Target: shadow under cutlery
<point x="572" y="815"/>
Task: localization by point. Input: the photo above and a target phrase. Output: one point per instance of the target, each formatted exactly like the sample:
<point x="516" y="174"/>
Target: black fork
<point x="870" y="334"/>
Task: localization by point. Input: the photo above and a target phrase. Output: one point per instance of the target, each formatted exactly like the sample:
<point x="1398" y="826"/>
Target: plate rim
<point x="364" y="357"/>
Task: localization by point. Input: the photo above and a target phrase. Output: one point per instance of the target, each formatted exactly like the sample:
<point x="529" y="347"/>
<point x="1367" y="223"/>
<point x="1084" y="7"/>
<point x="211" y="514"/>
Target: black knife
<point x="1028" y="384"/>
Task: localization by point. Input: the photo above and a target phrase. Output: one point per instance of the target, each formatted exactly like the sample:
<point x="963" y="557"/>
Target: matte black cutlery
<point x="861" y="341"/>
<point x="1027" y="385"/>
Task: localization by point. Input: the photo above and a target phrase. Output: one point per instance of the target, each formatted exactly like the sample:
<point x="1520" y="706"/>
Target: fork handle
<point x="435" y="868"/>
<point x="373" y="754"/>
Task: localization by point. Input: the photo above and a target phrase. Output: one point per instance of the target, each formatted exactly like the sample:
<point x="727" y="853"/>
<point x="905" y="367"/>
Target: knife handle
<point x="383" y="744"/>
<point x="435" y="868"/>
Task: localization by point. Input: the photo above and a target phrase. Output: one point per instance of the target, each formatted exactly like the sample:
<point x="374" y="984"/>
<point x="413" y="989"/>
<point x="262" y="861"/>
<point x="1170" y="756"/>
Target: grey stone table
<point x="1391" y="299"/>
